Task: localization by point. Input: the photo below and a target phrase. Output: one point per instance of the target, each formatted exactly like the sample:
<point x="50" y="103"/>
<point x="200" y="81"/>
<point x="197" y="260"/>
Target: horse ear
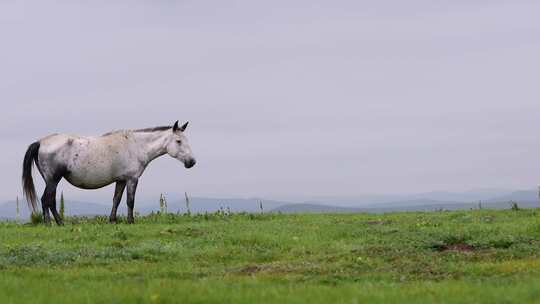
<point x="175" y="127"/>
<point x="184" y="127"/>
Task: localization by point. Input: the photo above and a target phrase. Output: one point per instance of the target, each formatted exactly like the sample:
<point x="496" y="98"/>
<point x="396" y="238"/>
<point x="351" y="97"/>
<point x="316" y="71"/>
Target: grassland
<point x="481" y="256"/>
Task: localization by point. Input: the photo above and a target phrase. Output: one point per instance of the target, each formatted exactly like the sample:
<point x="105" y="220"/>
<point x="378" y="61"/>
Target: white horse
<point x="94" y="162"/>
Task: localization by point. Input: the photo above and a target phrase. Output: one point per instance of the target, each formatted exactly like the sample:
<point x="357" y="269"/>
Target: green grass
<point x="481" y="256"/>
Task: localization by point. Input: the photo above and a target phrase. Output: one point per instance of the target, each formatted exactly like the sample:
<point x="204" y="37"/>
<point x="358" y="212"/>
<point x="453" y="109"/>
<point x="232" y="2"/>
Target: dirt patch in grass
<point x="458" y="247"/>
<point x="250" y="269"/>
<point x="188" y="232"/>
<point x="378" y="222"/>
<point x="253" y="269"/>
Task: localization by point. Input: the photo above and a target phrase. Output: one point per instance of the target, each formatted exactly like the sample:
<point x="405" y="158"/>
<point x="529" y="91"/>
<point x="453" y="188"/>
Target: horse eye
<point x="179" y="142"/>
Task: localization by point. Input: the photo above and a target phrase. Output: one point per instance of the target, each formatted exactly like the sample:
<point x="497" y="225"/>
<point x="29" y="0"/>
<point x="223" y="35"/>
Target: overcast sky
<point x="285" y="98"/>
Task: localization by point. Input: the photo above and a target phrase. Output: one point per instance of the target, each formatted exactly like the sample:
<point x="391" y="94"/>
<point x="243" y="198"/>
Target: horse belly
<point x="88" y="182"/>
<point x="88" y="179"/>
<point x="90" y="173"/>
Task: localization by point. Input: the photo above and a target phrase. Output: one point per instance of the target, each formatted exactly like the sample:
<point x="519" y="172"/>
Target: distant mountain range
<point x="314" y="208"/>
<point x="519" y="196"/>
<point x="368" y="203"/>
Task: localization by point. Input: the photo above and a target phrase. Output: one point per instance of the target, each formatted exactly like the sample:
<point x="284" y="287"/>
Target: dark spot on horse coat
<point x="60" y="172"/>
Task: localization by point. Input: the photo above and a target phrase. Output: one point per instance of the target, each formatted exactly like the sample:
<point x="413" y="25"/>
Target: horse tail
<point x="29" y="190"/>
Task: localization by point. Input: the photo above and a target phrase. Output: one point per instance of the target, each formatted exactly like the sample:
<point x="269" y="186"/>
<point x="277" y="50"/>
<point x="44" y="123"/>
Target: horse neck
<point x="152" y="144"/>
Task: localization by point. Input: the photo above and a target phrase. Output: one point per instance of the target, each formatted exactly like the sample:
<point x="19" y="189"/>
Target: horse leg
<point x="48" y="202"/>
<point x="118" y="191"/>
<point x="131" y="189"/>
<point x="45" y="207"/>
<point x="57" y="217"/>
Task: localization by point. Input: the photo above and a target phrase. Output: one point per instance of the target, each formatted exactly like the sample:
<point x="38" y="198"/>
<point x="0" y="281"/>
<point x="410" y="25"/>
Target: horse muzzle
<point x="189" y="163"/>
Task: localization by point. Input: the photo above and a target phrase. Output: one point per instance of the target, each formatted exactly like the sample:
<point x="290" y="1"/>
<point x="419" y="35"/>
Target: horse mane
<point x="153" y="129"/>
